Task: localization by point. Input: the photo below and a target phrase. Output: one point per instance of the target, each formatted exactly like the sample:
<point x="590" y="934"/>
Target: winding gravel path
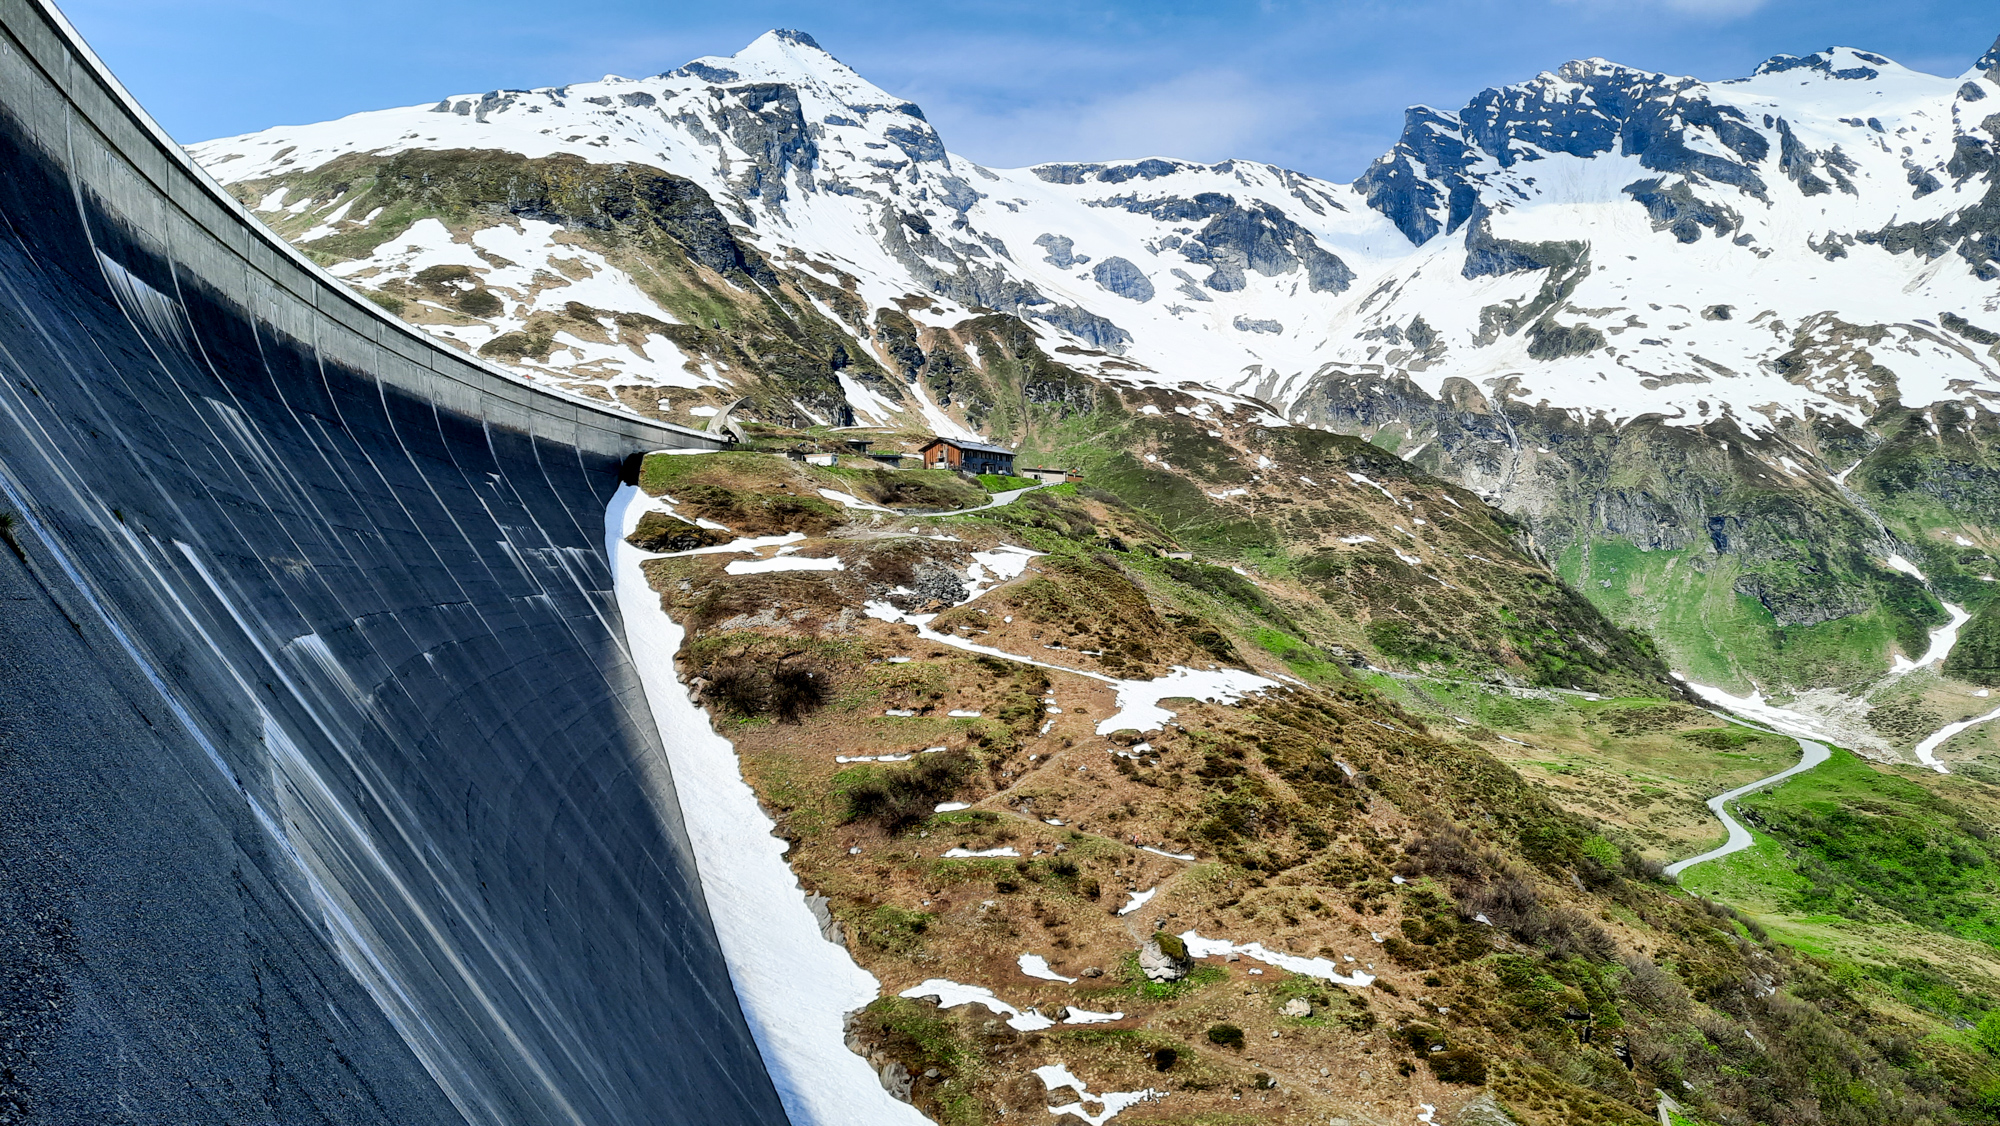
<point x="1813" y="754"/>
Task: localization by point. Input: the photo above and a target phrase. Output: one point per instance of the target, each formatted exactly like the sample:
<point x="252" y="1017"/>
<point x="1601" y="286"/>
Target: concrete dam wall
<point x="328" y="791"/>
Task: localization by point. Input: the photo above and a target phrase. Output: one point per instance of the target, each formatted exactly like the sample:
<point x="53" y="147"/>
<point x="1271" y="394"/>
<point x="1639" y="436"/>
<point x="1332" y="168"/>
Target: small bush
<point x="1164" y="1059"/>
<point x="434" y="276"/>
<point x="899" y="798"/>
<point x="388" y="301"/>
<point x="479" y="303"/>
<point x="797" y="690"/>
<point x="516" y="345"/>
<point x="1226" y="1035"/>
<point x="789" y="690"/>
<point x="1458" y="1065"/>
<point x="658" y="531"/>
<point x="1988" y="1032"/>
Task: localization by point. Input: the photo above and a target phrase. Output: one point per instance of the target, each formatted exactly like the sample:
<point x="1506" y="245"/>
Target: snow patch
<point x="1322" y="968"/>
<point x="951" y="994"/>
<point x="1137" y="899"/>
<point x="1034" y="965"/>
<point x="1138" y="700"/>
<point x="796" y="987"/>
<point x="1056" y="1076"/>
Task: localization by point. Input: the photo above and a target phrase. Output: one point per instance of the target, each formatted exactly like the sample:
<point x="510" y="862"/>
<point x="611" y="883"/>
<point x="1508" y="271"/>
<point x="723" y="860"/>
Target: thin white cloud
<point x="1200" y="115"/>
<point x="1725" y="9"/>
<point x="1700" y="9"/>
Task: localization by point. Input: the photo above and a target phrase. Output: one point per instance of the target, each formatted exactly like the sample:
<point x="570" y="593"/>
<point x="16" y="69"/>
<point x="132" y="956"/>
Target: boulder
<point x="1160" y="965"/>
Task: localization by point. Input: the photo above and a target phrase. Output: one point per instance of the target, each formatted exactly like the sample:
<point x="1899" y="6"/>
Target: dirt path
<point x="1813" y="754"/>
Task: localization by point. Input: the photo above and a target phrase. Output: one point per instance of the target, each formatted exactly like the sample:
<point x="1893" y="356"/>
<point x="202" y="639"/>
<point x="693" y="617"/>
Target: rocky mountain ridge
<point x="1632" y="308"/>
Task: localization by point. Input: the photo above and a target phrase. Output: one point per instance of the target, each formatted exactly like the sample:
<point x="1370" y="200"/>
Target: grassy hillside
<point x="1528" y="958"/>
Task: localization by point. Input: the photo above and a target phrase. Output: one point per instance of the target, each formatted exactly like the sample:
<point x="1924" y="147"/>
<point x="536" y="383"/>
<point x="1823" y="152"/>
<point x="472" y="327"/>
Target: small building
<point x="969" y="457"/>
<point x="1050" y="476"/>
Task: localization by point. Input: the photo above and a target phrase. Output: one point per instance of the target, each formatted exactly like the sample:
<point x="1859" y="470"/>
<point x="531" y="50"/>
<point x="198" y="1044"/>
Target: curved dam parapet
<point x="328" y="790"/>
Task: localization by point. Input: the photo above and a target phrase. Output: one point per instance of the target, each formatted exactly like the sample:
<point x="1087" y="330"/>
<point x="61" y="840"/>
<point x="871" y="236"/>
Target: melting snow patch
<point x="951" y="994"/>
<point x="1361" y="479"/>
<point x="1942" y="639"/>
<point x="961" y="713"/>
<point x="1034" y="965"/>
<point x="1753" y="707"/>
<point x="1322" y="968"/>
<point x="904" y="713"/>
<point x="852" y="501"/>
<point x="1139" y="700"/>
<point x="1165" y="853"/>
<point x="784" y="563"/>
<point x="1085" y="1016"/>
<point x="796" y="987"/>
<point x="737" y="547"/>
<point x="1138" y="899"/>
<point x="1927" y="750"/>
<point x="951" y="806"/>
<point x="1901" y="564"/>
<point x="1357" y="539"/>
<point x="1056" y="1076"/>
<point x="970" y="854"/>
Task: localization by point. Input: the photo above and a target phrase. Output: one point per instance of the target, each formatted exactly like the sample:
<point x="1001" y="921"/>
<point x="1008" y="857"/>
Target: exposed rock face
<point x="1536" y="365"/>
<point x="829" y="927"/>
<point x="1158" y="965"/>
<point x="1121" y="277"/>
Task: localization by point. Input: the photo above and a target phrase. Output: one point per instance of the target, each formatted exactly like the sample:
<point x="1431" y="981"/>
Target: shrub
<point x="899" y="798"/>
<point x="1458" y="1065"/>
<point x="516" y="345"/>
<point x="1164" y="1059"/>
<point x="434" y="276"/>
<point x="797" y="690"/>
<point x="388" y="301"/>
<point x="1988" y="1032"/>
<point x="1226" y="1035"/>
<point x="658" y="531"/>
<point x="479" y="303"/>
<point x="744" y="686"/>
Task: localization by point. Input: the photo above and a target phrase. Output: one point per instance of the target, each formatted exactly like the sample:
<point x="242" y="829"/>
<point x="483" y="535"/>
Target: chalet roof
<point x="971" y="447"/>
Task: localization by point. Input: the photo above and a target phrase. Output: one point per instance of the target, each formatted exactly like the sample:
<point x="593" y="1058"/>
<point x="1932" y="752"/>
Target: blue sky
<point x="1319" y="87"/>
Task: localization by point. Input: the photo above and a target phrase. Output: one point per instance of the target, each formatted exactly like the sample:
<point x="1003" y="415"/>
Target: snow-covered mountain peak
<point x="1543" y="241"/>
<point x="782" y="55"/>
<point x="1989" y="62"/>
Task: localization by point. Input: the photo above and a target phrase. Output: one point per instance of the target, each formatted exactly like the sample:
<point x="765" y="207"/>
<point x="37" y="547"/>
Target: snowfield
<point x="795" y="986"/>
<point x="1696" y="271"/>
